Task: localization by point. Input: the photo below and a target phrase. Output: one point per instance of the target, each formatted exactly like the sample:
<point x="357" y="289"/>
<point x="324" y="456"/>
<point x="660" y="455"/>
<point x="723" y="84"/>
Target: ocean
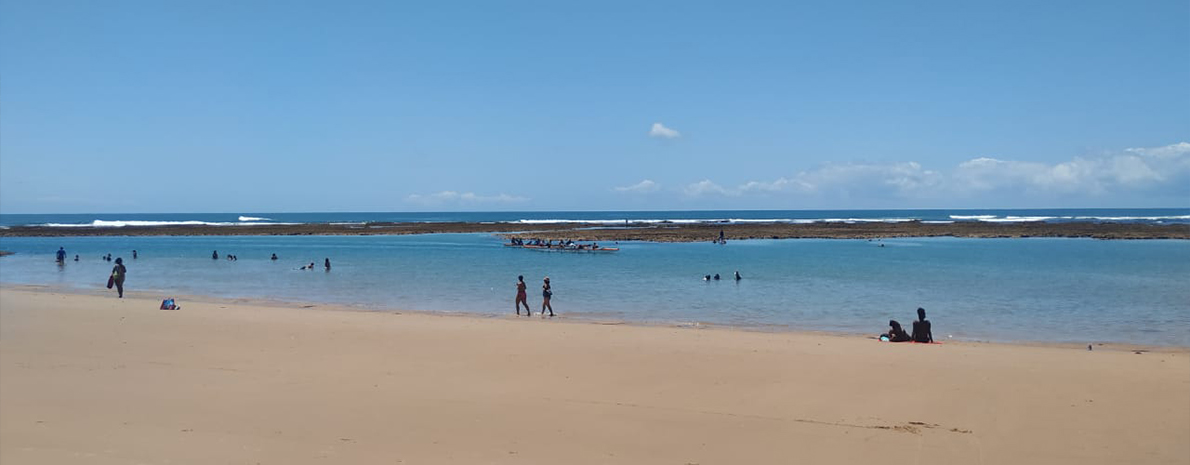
<point x="1032" y="289"/>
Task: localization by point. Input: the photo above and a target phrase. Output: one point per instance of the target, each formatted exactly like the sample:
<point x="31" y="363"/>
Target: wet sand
<point x="95" y="379"/>
<point x="663" y="232"/>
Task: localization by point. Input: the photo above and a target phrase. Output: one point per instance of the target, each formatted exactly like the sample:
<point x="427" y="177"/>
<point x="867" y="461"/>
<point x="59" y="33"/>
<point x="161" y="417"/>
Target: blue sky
<point x="211" y="106"/>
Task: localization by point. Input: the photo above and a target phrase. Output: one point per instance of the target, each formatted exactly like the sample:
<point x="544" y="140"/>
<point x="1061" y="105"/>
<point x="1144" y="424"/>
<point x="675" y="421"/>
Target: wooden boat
<point x="557" y="248"/>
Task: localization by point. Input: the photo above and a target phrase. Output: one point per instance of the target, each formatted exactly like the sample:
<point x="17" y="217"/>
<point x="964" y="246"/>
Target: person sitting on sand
<point x="522" y="297"/>
<point x="896" y="334"/>
<point x="921" y="328"/>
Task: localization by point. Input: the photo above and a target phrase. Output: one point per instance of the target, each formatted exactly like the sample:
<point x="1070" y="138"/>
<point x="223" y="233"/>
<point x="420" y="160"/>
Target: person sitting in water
<point x="706" y="278"/>
<point x="215" y="255"/>
<point x="716" y="276"/>
<point x="921" y="328"/>
<point x="76" y="258"/>
<point x="896" y="333"/>
<point x="274" y="257"/>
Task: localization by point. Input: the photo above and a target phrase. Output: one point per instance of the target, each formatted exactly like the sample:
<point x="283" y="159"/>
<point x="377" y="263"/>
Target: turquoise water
<point x="1038" y="289"/>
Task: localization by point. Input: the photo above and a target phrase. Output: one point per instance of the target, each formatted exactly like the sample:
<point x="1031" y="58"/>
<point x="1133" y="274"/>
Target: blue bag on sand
<point x="168" y="304"/>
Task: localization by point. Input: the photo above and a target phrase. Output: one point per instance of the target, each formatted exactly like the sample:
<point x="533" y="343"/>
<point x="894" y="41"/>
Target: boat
<point x="582" y="248"/>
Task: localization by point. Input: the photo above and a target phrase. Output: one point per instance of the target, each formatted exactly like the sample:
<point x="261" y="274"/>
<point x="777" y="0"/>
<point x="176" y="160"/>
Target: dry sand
<point x="94" y="379"/>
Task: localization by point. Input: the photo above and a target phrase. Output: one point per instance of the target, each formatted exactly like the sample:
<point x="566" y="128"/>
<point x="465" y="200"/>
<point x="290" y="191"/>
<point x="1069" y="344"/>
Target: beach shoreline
<point x="118" y="381"/>
<point x="572" y="318"/>
<point x="651" y="232"/>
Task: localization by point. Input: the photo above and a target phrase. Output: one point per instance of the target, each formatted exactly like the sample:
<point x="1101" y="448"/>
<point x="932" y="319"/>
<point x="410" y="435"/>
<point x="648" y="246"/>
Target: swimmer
<point x="716" y="276"/>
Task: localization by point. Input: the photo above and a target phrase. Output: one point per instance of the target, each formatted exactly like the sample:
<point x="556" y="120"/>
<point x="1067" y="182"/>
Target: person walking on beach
<point x="921" y="328"/>
<point x="522" y="296"/>
<point x="117" y="277"/>
<point x="61" y="255"/>
<point x="546" y="293"/>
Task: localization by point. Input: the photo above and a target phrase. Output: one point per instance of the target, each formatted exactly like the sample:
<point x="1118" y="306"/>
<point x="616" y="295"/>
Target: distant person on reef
<point x="61" y="255"/>
<point x="117" y="277"/>
<point x="921" y="327"/>
<point x="522" y="296"/>
<point x="895" y="333"/>
<point x="546" y="293"/>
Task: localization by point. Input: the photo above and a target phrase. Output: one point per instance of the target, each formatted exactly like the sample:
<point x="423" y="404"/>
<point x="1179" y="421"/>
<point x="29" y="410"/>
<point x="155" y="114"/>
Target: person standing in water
<point x="215" y="255"/>
<point x="327" y="264"/>
<point x="522" y="296"/>
<point x="546" y="293"/>
<point x="61" y="255"/>
<point x="134" y="254"/>
<point x="118" y="274"/>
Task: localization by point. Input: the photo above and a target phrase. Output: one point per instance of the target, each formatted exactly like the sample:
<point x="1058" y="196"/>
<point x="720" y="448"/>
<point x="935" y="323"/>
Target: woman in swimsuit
<point x="546" y="293"/>
<point x="522" y="297"/>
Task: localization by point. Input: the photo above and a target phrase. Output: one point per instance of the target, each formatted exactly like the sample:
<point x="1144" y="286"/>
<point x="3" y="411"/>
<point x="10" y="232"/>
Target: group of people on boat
<point x="549" y="244"/>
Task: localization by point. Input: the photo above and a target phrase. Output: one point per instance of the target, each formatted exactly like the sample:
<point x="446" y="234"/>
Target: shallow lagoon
<point x="1054" y="290"/>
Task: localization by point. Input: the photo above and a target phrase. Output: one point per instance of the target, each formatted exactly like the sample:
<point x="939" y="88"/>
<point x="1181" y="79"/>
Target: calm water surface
<point x="1038" y="289"/>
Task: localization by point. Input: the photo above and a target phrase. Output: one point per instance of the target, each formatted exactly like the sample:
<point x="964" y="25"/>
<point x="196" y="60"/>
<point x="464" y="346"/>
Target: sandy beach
<point x="99" y="380"/>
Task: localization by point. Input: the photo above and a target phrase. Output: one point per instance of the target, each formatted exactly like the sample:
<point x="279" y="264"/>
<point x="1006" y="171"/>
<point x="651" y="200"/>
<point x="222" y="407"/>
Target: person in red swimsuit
<point x="522" y="297"/>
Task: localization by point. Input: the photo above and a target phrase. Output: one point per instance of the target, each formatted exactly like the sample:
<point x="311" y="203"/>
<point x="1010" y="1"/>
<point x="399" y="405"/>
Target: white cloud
<point x="462" y="198"/>
<point x="706" y="187"/>
<point x="1135" y="170"/>
<point x="642" y="187"/>
<point x="659" y="130"/>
